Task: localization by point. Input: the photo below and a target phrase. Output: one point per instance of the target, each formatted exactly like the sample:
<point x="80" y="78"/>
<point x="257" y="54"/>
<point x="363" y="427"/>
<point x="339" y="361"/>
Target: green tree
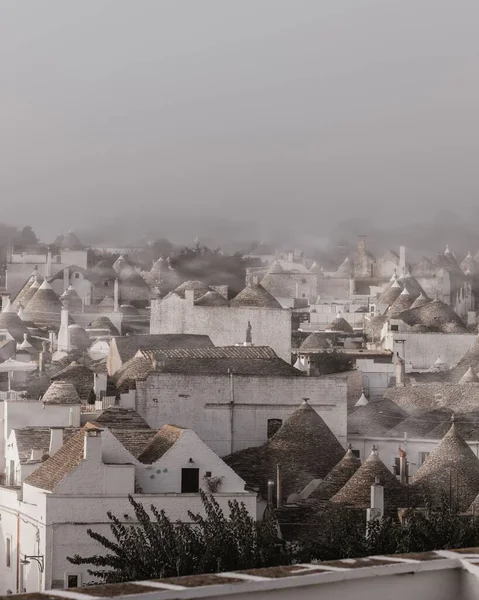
<point x="27" y="237"/>
<point x="157" y="547"/>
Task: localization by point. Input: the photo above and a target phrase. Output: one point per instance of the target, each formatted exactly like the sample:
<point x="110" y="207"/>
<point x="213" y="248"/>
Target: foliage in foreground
<point x="158" y="547"/>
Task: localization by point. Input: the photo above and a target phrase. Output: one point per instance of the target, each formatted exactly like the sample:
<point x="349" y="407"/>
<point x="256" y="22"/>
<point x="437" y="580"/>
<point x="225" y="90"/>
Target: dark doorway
<point x="190" y="481"/>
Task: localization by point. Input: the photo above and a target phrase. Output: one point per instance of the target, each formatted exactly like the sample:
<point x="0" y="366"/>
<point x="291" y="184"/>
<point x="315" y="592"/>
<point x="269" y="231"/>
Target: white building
<point x="92" y="473"/>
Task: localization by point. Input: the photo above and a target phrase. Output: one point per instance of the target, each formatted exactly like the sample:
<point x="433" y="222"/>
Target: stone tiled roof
<point x="304" y="447"/>
<point x="198" y="287"/>
<point x="69" y="456"/>
<point x="375" y="418"/>
<point x="255" y="295"/>
<point x="421" y="300"/>
<point x="340" y="324"/>
<point x="45" y="306"/>
<point x="26" y="286"/>
<point x="79" y="338"/>
<point x="212" y="298"/>
<point x="129" y="345"/>
<point x="70" y="241"/>
<point x="437" y="316"/>
<point x="164" y="439"/>
<point x="357" y="491"/>
<point x="14" y="325"/>
<point x="450" y="467"/>
<point x="436" y="395"/>
<point x="470" y="376"/>
<point x="315" y="341"/>
<point x="390" y="294"/>
<point x="337" y="478"/>
<point x="79" y="376"/>
<point x="61" y="392"/>
<point x="29" y="293"/>
<point x="133" y="370"/>
<point x="37" y="438"/>
<point x="374" y="327"/>
<point x="102" y="322"/>
<point x="419" y="425"/>
<point x="134" y="440"/>
<point x="240" y="360"/>
<point x="116" y="417"/>
<point x="402" y="303"/>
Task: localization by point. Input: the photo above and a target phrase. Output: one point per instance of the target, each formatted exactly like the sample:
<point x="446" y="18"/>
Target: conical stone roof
<point x="375" y="418"/>
<point x="102" y="322"/>
<point x="70" y="241"/>
<point x="469" y="264"/>
<point x="340" y="324"/>
<point x="255" y="295"/>
<point x="403" y="302"/>
<point x="104" y="270"/>
<point x="28" y="295"/>
<point x="470" y="376"/>
<point x="45" y="307"/>
<point x="212" y="298"/>
<point x="275" y="268"/>
<point x="61" y="392"/>
<point x="199" y="288"/>
<point x="451" y="472"/>
<point x="390" y="294"/>
<point x="315" y="342"/>
<point x="14" y="325"/>
<point x="345" y="269"/>
<point x="79" y="338"/>
<point x="24" y="290"/>
<point x="437" y="316"/>
<point x="357" y="491"/>
<point x="337" y="478"/>
<point x="421" y="300"/>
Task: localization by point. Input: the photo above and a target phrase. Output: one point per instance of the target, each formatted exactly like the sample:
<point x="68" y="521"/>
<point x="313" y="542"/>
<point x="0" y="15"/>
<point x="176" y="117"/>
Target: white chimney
<point x="66" y="279"/>
<point x="92" y="445"/>
<point x="190" y="296"/>
<point x="115" y="296"/>
<point x="56" y="439"/>
<point x="99" y="384"/>
<point x="64" y="332"/>
<point x="377" y="501"/>
<point x="48" y="270"/>
<point x="70" y="418"/>
<point x="36" y="454"/>
<point x="5" y="302"/>
<point x="402" y="260"/>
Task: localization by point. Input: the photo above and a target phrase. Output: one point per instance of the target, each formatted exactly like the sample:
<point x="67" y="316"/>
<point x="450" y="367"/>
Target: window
<point x="208" y="474"/>
<point x="71" y="581"/>
<point x="356" y="453"/>
<point x="190" y="481"/>
<point x="395" y="466"/>
<point x="8" y="552"/>
<point x="273" y="426"/>
<point x="422" y="458"/>
<point x="394" y="327"/>
<point x="77" y="275"/>
<point x="106" y="283"/>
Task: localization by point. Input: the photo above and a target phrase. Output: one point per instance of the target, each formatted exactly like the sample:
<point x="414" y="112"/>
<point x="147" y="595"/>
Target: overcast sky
<point x="251" y="109"/>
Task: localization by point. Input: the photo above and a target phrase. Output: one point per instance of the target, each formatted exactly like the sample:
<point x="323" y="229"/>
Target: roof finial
<point x="453" y="418"/>
<point x="375" y="449"/>
<point x="350" y="446"/>
<point x="248" y="333"/>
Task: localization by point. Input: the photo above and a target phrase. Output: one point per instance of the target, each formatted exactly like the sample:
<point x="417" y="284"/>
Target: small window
<point x="396" y="466"/>
<point x="273" y="426"/>
<point x="190" y="481"/>
<point x="394" y="327"/>
<point x="8" y="552"/>
<point x="77" y="275"/>
<point x="356" y="453"/>
<point x="106" y="283"/>
<point x="72" y="581"/>
<point x="208" y="474"/>
<point x="422" y="458"/>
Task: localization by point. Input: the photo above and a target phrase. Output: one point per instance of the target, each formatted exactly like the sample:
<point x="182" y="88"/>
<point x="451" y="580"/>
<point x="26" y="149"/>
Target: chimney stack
<point x="66" y="279"/>
<point x="92" y="445"/>
<point x="400" y="371"/>
<point x="48" y="269"/>
<point x="377" y="501"/>
<point x="56" y="439"/>
<point x="64" y="332"/>
<point x="115" y="296"/>
<point x="403" y="467"/>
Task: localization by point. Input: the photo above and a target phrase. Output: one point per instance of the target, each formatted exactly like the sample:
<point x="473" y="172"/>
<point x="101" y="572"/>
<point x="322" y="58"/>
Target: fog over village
<point x="239" y="300"/>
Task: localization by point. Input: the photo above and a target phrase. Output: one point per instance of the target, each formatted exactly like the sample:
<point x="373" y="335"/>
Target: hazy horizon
<point x="278" y="113"/>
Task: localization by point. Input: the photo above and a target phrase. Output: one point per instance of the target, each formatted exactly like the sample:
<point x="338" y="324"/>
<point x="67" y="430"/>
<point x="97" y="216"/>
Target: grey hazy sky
<point x="240" y="108"/>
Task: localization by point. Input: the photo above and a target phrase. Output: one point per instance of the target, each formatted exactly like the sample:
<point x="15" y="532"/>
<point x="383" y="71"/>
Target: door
<point x="190" y="481"/>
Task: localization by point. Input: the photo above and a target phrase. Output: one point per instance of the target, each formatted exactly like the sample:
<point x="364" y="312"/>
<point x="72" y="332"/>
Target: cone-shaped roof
<point x="128" y="309"/>
<point x="70" y="293"/>
<point x="79" y="376"/>
<point x="255" y="295"/>
<point x="421" y="300"/>
<point x="337" y="478"/>
<point x="340" y="324"/>
<point x="402" y="303"/>
<point x="304" y="447"/>
<point x="45" y="300"/>
<point x="373" y="328"/>
<point x="315" y="341"/>
<point x="412" y="285"/>
<point x="345" y="269"/>
<point x="28" y="295"/>
<point x="154" y="276"/>
<point x="469" y="264"/>
<point x="450" y="471"/>
<point x="437" y="316"/>
<point x="275" y="268"/>
<point x="79" y="338"/>
<point x="212" y="298"/>
<point x="199" y="288"/>
<point x="363" y="401"/>
<point x="104" y="270"/>
<point x="315" y="268"/>
<point x="357" y="491"/>
<point x="26" y="286"/>
<point x="470" y="376"/>
<point x="424" y="268"/>
<point x="14" y="325"/>
<point x="70" y="241"/>
<point x="375" y="418"/>
<point x="61" y="392"/>
<point x="102" y="322"/>
<point x="121" y="266"/>
<point x="390" y="294"/>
